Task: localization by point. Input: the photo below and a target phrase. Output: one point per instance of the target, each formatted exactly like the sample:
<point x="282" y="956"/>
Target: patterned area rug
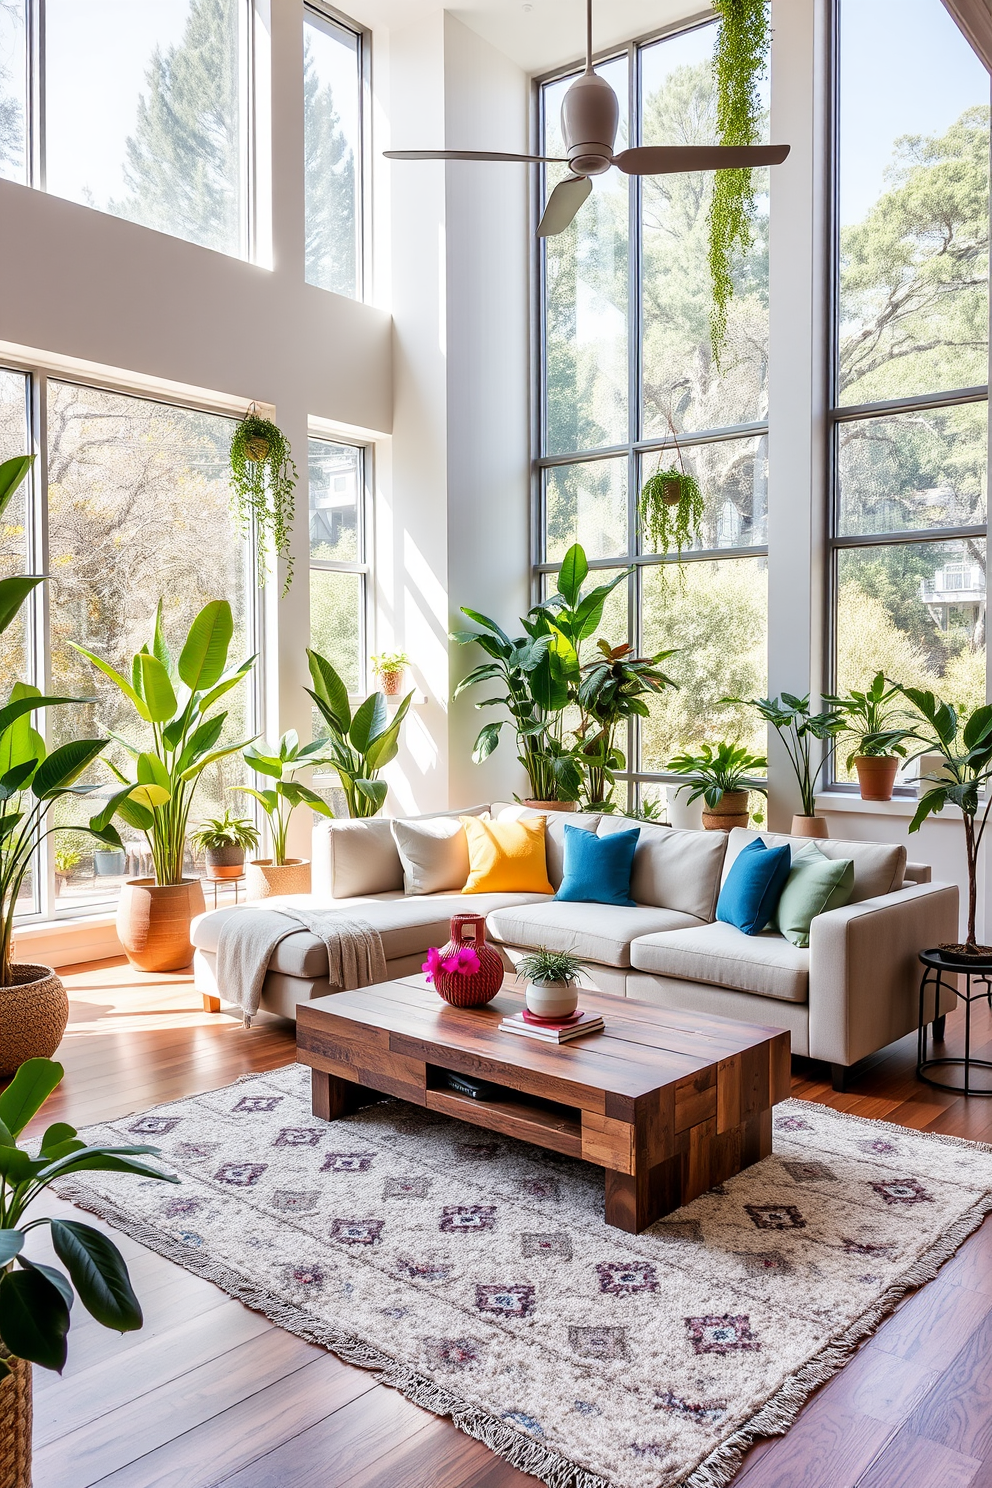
<point x="477" y="1274"/>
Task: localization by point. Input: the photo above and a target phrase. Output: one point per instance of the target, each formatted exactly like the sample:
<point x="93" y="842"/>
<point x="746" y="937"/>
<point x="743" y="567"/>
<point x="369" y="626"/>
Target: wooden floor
<point x="209" y="1393"/>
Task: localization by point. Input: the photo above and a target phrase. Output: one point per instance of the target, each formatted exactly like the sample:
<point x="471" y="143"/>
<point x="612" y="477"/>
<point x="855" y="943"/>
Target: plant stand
<point x="935" y="966"/>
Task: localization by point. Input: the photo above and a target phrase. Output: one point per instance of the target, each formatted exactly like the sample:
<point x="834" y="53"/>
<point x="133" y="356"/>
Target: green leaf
<point x="373" y="791"/>
<point x="34" y="1318"/>
<point x="384" y="746"/>
<point x="486" y="742"/>
<point x="13" y="592"/>
<point x="28" y="1092"/>
<point x="486" y="624"/>
<point x="64" y="765"/>
<point x="150" y="770"/>
<point x="573" y="572"/>
<point x="115" y="677"/>
<point x="12" y="472"/>
<point x="369" y="721"/>
<point x="329" y="692"/>
<point x="60" y="1282"/>
<point x="148" y="797"/>
<point x="264" y="764"/>
<point x="229" y="680"/>
<point x="99" y="1274"/>
<point x="159" y="647"/>
<point x="157" y="689"/>
<point x="201" y="741"/>
<point x="200" y="765"/>
<point x="11" y="1242"/>
<point x="16" y="778"/>
<point x="267" y="798"/>
<point x="204" y="656"/>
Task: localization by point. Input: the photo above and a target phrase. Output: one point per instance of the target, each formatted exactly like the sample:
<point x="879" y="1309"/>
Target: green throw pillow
<point x="815" y="884"/>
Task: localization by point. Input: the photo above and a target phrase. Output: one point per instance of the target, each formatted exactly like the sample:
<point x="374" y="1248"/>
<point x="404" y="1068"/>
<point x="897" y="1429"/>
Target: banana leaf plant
<point x="281" y="800"/>
<point x="356" y="747"/>
<point x="173" y="698"/>
<point x="36" y="1298"/>
<point x="612" y="691"/>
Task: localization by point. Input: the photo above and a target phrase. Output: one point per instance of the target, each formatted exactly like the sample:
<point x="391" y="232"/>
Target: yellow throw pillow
<point x="506" y="857"/>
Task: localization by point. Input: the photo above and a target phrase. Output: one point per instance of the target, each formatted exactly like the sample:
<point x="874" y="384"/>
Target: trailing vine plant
<point x="263" y="477"/>
<point x="740" y="60"/>
<point x="671" y="506"/>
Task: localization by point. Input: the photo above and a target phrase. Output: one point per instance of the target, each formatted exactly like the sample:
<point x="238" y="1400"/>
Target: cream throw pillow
<point x="433" y="852"/>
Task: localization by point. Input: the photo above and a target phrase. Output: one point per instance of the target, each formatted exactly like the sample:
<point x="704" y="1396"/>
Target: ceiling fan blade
<point x="663" y="160"/>
<point x="471" y="155"/>
<point x="563" y="203"/>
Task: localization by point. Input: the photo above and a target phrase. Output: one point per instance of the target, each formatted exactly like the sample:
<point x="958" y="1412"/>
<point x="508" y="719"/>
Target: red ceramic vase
<point x="481" y="986"/>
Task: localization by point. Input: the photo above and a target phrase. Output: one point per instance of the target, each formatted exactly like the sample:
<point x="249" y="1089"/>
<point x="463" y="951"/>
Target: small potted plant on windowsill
<point x="67" y="860"/>
<point x="722" y="776"/>
<point x="389" y="667"/>
<point x="797" y="727"/>
<point x="552" y="978"/>
<point x="223" y="840"/>
<point x="869" y="719"/>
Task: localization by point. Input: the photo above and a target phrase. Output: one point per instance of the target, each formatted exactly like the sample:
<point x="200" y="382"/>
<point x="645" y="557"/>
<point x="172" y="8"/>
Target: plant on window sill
<point x="263" y="478"/>
<point x="797" y="727"/>
<point x="357" y="746"/>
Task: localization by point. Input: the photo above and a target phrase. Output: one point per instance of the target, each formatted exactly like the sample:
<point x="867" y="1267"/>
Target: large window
<point x="627" y="370"/>
<point x="130" y="504"/>
<point x="338" y="568"/>
<point x="910" y="418"/>
<point x="332" y="93"/>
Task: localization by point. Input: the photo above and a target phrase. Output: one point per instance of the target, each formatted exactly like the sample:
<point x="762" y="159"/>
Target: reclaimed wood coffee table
<point x="669" y="1103"/>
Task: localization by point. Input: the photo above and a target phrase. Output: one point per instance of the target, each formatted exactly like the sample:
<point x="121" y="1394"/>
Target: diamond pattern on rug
<point x="479" y="1271"/>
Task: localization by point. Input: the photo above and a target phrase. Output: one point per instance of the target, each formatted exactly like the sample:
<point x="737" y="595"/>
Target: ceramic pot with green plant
<point x="224" y="840"/>
<point x="389" y="667"/>
<point x="552" y="982"/>
<point x="670" y="510"/>
<point x="797" y="727"/>
<point x="35" y="1296"/>
<point x="180" y="736"/>
<point x="281" y="874"/>
<point x="356" y="747"/>
<point x="67" y="860"/>
<point x="721" y="775"/>
<point x="263" y="480"/>
<point x="877" y="730"/>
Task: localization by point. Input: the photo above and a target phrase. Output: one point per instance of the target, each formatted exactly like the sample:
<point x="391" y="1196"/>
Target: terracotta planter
<point x="481" y="986"/>
<point x="153" y="922"/>
<point x="225" y="862"/>
<point x="552" y="805"/>
<point x="809" y="826"/>
<point x="33" y="1015"/>
<point x="730" y="811"/>
<point x="266" y="879"/>
<point x="391" y="683"/>
<point x="15" y="1423"/>
<point x="876" y="775"/>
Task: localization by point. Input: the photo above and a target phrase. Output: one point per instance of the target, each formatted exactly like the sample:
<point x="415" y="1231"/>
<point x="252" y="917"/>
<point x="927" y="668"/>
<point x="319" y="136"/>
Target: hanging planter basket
<point x="263" y="480"/>
<point x="671" y="506"/>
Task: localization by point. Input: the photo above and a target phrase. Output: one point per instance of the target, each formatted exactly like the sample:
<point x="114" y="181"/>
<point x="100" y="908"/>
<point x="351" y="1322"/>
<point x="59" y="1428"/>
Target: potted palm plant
<point x="279" y="874"/>
<point x="612" y="691"/>
<point x="224" y="840"/>
<point x="721" y="775"/>
<point x="389" y="667"/>
<point x="174" y="699"/>
<point x="35" y="1297"/>
<point x="797" y="726"/>
<point x="356" y="747"/>
<point x="870" y="720"/>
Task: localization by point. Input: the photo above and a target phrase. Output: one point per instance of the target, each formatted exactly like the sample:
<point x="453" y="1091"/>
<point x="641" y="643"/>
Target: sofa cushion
<point x="878" y="866"/>
<point x="597" y="869"/>
<point x="506" y="857"/>
<point x="360" y="857"/>
<point x="593" y="932"/>
<point x="433" y="852"/>
<point x="554" y="833"/>
<point x="752" y="888"/>
<point x="408" y="925"/>
<point x="724" y="956"/>
<point x="673" y="868"/>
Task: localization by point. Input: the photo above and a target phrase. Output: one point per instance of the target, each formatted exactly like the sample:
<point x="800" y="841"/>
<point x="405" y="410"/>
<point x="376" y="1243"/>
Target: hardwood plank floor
<point x="210" y="1394"/>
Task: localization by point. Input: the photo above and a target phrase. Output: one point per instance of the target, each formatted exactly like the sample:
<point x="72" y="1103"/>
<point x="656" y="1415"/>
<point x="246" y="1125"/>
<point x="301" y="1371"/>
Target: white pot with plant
<point x="224" y="840"/>
<point x="552" y="982"/>
<point x="281" y="874"/>
<point x="389" y="667"/>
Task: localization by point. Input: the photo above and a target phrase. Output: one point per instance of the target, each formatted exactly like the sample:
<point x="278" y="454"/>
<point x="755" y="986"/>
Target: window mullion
<point x="40" y="661"/>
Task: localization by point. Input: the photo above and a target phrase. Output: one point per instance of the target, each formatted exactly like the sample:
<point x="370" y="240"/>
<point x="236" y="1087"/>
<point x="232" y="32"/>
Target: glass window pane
<point x="716" y="616"/>
<point x="920" y="469"/>
<point x="917" y="612"/>
<point x="13" y="91"/>
<point x="586" y="296"/>
<point x="733" y="479"/>
<point x="139" y="507"/>
<point x="914" y="203"/>
<point x="332" y="103"/>
<point x="336" y="475"/>
<point x="336" y="622"/>
<point x="680" y="382"/>
<point x="587" y="504"/>
<point x="14" y="440"/>
<point x="145" y="113"/>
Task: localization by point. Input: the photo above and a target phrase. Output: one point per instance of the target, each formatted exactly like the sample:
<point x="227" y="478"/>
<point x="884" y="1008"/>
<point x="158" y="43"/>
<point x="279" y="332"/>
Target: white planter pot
<point x="551" y="999"/>
<point x="680" y="812"/>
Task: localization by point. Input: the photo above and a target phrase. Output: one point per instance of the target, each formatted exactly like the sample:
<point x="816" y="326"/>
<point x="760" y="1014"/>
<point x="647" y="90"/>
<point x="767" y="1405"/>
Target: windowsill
<point x="828" y="802"/>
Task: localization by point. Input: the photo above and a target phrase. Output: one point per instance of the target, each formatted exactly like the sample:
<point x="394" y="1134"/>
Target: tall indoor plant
<point x="357" y="746"/>
<point x="279" y="874"/>
<point x="263" y="480"/>
<point x="797" y="727"/>
<point x="35" y="1297"/>
<point x="173" y="699"/>
<point x="612" y="691"/>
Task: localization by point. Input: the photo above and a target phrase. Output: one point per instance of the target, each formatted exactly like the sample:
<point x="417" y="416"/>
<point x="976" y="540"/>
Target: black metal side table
<point x="937" y="966"/>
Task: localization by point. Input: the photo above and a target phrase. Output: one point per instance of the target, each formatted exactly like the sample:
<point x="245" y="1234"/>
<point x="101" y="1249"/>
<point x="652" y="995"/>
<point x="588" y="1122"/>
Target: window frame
<point x="635" y="780"/>
<point x="364" y="566"/>
<point x="839" y="414"/>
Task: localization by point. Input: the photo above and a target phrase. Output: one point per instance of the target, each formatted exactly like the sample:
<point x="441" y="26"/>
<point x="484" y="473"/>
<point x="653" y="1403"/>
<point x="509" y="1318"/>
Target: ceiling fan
<point x="589" y="118"/>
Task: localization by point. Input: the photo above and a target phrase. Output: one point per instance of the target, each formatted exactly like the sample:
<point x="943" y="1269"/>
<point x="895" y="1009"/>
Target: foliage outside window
<point x="909" y="511"/>
<point x="599" y="443"/>
<point x="332" y="98"/>
<point x="339" y="571"/>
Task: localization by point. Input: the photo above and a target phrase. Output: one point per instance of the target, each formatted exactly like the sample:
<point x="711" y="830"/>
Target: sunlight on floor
<point x="112" y="997"/>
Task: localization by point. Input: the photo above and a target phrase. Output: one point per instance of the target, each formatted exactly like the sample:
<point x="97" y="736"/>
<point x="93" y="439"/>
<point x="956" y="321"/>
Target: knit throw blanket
<point x="355" y="957"/>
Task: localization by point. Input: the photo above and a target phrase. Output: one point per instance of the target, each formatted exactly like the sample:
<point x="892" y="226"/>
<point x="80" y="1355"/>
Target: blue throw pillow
<point x="597" y="869"/>
<point x="753" y="886"/>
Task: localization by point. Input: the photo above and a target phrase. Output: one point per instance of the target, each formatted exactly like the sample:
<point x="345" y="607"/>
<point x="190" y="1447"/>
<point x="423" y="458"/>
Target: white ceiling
<point x="540" y="35"/>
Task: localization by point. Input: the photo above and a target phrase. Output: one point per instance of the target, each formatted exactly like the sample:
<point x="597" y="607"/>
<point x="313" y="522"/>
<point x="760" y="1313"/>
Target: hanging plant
<point x="263" y="477"/>
<point x="740" y="60"/>
<point x="671" y="506"/>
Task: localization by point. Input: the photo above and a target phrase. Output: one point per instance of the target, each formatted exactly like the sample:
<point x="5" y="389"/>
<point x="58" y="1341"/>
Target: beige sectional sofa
<point x="852" y="992"/>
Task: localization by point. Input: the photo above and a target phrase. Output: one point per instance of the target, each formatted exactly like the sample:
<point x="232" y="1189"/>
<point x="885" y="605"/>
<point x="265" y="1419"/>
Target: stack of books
<point x="552" y="1030"/>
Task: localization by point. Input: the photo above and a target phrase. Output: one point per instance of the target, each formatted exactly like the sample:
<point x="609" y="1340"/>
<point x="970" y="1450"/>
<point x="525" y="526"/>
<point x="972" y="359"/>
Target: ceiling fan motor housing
<point x="589" y="118"/>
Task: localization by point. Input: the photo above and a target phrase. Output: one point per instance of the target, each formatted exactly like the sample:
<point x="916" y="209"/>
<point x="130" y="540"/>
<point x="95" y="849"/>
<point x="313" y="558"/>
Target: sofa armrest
<point x="917" y="873"/>
<point x="864" y="975"/>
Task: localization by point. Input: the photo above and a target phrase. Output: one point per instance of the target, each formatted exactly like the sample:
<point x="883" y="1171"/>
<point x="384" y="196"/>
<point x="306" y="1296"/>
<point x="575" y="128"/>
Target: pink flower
<point x="433" y="964"/>
<point x="465" y="962"/>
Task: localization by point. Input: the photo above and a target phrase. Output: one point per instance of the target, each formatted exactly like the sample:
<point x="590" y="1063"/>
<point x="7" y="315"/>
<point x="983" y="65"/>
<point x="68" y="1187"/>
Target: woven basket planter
<point x="730" y="811"/>
<point x="265" y="878"/>
<point x="482" y="985"/>
<point x="33" y="1015"/>
<point x="15" y="1423"/>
